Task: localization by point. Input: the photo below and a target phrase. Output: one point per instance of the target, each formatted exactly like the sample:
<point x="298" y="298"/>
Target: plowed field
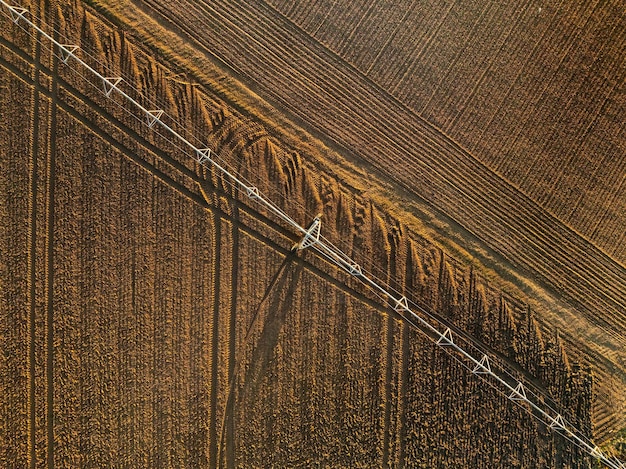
<point x="151" y="316"/>
<point x="508" y="119"/>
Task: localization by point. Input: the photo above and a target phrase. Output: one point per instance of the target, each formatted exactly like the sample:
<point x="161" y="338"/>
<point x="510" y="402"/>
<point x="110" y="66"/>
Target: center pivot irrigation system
<point x="480" y="365"/>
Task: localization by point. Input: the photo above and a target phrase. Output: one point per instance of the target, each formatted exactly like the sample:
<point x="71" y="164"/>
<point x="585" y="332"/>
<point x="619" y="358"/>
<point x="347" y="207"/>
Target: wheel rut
<point x="32" y="314"/>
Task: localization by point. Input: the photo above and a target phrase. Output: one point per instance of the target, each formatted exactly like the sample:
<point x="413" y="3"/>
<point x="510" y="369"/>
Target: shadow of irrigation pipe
<point x="267" y="340"/>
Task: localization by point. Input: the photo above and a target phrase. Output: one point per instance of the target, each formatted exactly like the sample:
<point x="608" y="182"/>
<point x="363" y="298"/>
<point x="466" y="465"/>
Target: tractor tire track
<point x="214" y="392"/>
<point x="232" y="339"/>
<point x="49" y="262"/>
<point x="34" y="176"/>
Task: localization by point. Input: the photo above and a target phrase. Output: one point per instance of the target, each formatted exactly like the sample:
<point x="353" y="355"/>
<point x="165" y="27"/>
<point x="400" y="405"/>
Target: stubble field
<point x="524" y="150"/>
<point x="152" y="317"/>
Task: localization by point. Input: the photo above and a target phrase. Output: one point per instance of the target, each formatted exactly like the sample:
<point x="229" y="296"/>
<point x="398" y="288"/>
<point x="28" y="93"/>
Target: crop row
<point x="516" y="248"/>
<point x="503" y="80"/>
<point x="366" y="120"/>
<point x="17" y="318"/>
<point x="153" y="291"/>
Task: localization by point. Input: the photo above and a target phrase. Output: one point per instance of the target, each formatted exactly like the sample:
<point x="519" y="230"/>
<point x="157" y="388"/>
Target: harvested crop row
<point x="159" y="280"/>
<point x="493" y="147"/>
<point x="17" y="317"/>
<point x="486" y="195"/>
<point x="555" y="70"/>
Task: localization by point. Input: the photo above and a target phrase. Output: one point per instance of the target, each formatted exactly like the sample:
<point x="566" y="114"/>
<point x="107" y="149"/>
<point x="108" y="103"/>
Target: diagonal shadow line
<point x="268" y="290"/>
<point x="279" y="278"/>
<point x="277" y="314"/>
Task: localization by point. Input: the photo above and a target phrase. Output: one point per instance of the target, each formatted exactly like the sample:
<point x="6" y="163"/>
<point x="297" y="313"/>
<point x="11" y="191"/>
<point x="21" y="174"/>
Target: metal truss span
<point x="477" y="363"/>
